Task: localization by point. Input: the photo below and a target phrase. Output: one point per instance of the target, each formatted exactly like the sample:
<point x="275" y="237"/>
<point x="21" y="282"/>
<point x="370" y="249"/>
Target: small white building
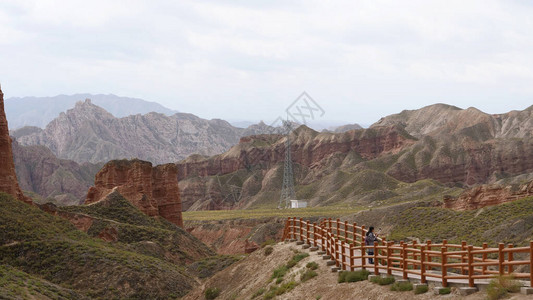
<point x="298" y="203"/>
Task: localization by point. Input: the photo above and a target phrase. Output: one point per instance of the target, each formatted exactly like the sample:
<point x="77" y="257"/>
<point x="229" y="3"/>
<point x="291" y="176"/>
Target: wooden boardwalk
<point x="441" y="262"/>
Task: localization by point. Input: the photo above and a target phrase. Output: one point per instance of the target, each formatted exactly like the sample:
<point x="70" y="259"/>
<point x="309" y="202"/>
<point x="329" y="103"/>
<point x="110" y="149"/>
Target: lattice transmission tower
<point x="287" y="190"/>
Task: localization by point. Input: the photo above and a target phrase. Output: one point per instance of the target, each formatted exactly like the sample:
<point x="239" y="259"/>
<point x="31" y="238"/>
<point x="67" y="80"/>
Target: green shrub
<point x="421" y="289"/>
<point x="308" y="275"/>
<point x="258" y="293"/>
<point x="280" y="272"/>
<point x="386" y="280"/>
<point x="270" y="295"/>
<point x="296" y="259"/>
<point x="286" y="287"/>
<point x="268" y="250"/>
<point x="383" y="280"/>
<point x="268" y="243"/>
<point x="354" y="276"/>
<point x="279" y="280"/>
<point x="401" y="286"/>
<point x="312" y="265"/>
<point x="211" y="293"/>
<point x="375" y="279"/>
<point x="500" y="286"/>
<point x="445" y="291"/>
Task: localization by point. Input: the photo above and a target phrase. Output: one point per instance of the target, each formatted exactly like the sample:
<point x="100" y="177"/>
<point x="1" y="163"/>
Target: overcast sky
<point x="360" y="60"/>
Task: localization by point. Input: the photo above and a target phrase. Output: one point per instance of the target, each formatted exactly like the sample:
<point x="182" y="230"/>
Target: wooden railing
<point x="438" y="262"/>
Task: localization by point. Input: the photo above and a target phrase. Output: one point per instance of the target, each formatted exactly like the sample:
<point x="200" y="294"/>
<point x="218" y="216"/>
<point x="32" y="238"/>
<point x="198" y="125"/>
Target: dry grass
<point x="265" y="213"/>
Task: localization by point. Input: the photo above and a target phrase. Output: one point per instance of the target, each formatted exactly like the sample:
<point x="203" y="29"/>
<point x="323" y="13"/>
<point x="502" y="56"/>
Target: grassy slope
<point x="167" y="241"/>
<point x="508" y="223"/>
<point x="15" y="284"/>
<point x="49" y="247"/>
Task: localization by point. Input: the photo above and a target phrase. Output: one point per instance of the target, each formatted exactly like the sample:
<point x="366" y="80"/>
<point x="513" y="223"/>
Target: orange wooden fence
<point x="439" y="262"/>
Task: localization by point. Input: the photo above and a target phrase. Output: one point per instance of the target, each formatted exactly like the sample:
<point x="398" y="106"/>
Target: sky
<point x="250" y="60"/>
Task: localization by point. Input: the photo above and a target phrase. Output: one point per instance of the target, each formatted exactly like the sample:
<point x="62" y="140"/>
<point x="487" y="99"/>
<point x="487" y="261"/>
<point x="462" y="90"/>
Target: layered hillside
<point x="329" y="169"/>
<point x="88" y="133"/>
<point x="61" y="181"/>
<point x="413" y="154"/>
<point x="465" y="147"/>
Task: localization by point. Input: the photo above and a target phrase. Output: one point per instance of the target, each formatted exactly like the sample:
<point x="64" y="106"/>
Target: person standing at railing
<point x="370" y="238"/>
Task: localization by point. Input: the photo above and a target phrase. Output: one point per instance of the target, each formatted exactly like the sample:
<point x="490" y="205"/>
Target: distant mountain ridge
<point x="39" y="111"/>
<point x="89" y="133"/>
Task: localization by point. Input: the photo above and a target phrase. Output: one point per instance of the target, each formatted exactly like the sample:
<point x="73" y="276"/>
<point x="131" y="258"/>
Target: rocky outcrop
<point x="8" y="178"/>
<point x="61" y="181"/>
<point x="153" y="190"/>
<point x="88" y="133"/>
<point x="308" y="148"/>
<point x="488" y="195"/>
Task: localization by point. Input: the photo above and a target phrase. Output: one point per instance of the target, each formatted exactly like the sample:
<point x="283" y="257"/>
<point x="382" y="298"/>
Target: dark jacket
<point x="370" y="239"/>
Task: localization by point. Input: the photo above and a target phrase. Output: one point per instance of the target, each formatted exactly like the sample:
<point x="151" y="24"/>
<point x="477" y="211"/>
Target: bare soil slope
<point x="244" y="279"/>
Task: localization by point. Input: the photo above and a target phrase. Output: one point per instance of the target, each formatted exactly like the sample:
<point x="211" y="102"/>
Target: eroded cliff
<point x="153" y="190"/>
<point x="8" y="178"/>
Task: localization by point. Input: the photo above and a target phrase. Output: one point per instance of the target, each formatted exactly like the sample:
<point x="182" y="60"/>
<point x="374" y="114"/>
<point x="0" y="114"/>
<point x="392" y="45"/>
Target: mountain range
<point x="417" y="154"/>
<point x="39" y="111"/>
<point x="430" y="151"/>
<point x="89" y="133"/>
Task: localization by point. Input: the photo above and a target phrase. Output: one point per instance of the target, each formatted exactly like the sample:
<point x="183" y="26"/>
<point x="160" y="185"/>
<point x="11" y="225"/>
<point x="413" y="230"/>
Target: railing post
<point x="307" y="232"/>
<point x="343" y="255"/>
<point x="346" y="230"/>
<point x="331" y="243"/>
<point x="531" y="263"/>
<point x="422" y="266"/>
<point x="414" y="255"/>
<point x="352" y="262"/>
<point x="429" y="248"/>
<point x="510" y="267"/>
<point x="336" y="252"/>
<point x="404" y="257"/>
<point x="463" y="248"/>
<point x="376" y="270"/>
<point x="301" y="229"/>
<point x="501" y="258"/>
<point x="401" y="255"/>
<point x="363" y="247"/>
<point x="329" y="222"/>
<point x="443" y="266"/>
<point x="389" y="271"/>
<point x="470" y="266"/>
<point x="338" y="227"/>
<point x="354" y="232"/>
<point x="324" y="240"/>
<point x="294" y="228"/>
<point x="483" y="259"/>
<point x="314" y="234"/>
<point x="384" y="242"/>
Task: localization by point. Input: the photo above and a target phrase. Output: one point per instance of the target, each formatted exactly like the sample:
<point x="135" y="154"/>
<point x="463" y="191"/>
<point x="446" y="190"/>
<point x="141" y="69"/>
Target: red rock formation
<point x="154" y="190"/>
<point x="487" y="195"/>
<point x="308" y="148"/>
<point x="8" y="178"/>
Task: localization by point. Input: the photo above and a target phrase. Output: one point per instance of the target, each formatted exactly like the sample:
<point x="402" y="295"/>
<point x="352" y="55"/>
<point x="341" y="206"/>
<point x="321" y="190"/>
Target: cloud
<point x="245" y="60"/>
